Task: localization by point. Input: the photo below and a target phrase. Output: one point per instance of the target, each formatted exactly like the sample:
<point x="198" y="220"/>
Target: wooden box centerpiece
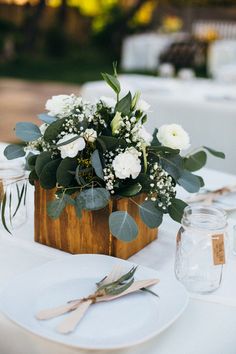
<point x="91" y="233"/>
<point x="102" y="182"/>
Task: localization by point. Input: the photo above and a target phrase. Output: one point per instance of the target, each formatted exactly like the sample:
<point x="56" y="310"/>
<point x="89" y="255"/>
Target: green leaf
<point x="119" y="289"/>
<point x="150" y="215"/>
<point x="215" y="153"/>
<point x="65" y="175"/>
<point x="155" y="141"/>
<point x="14" y="151"/>
<point x="112" y="81"/>
<point x="124" y="105"/>
<point x="79" y="206"/>
<point x="189" y="181"/>
<point x="41" y="161"/>
<point x="164" y="149"/>
<point x="47" y="176"/>
<point x="173" y="165"/>
<point x="131" y="190"/>
<point x="176" y="209"/>
<point x="30" y="161"/>
<point x="196" y="161"/>
<point x="33" y="177"/>
<point x="110" y="142"/>
<point x="68" y="141"/>
<point x="46" y="118"/>
<point x="97" y="165"/>
<point x="20" y="196"/>
<point x="123" y="226"/>
<point x="94" y="198"/>
<point x="27" y="131"/>
<point x="52" y="131"/>
<point x="56" y="207"/>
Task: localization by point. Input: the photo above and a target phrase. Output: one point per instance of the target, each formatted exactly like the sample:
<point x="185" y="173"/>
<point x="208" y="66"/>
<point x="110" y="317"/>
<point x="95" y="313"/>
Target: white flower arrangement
<point x="92" y="152"/>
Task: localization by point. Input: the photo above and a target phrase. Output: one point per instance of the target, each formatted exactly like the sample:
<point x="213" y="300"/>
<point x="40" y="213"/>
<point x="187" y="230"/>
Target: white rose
<point x="90" y="135"/>
<point x="43" y="128"/>
<point x="142" y="105"/>
<point x="127" y="164"/>
<point x="71" y="149"/>
<point x="108" y="101"/>
<point x="173" y="136"/>
<point x="145" y="135"/>
<point x="62" y="105"/>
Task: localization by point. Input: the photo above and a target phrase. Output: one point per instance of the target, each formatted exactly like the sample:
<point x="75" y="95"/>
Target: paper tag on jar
<point x="218" y="248"/>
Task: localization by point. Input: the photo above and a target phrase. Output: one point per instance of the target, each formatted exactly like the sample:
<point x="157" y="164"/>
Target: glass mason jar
<point x="201" y="248"/>
<point x="13" y="195"/>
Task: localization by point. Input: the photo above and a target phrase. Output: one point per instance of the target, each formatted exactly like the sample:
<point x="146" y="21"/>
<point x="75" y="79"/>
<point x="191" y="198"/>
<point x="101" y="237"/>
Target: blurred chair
<point x="222" y="59"/>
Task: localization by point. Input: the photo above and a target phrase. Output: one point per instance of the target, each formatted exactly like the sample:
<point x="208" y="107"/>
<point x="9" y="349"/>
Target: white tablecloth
<point x="206" y="327"/>
<point x="205" y="108"/>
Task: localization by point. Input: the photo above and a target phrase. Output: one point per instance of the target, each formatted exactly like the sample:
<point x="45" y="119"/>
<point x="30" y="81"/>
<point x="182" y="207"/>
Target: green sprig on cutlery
<point x="94" y="152"/>
<point x="115" y="285"/>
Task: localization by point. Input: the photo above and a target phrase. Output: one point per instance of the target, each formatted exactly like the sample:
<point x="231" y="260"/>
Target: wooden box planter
<point x="90" y="234"/>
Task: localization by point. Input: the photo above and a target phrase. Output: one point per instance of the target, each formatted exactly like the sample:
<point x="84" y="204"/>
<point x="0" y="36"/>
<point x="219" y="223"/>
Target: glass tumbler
<point x="201" y="248"/>
<point x="13" y="195"/>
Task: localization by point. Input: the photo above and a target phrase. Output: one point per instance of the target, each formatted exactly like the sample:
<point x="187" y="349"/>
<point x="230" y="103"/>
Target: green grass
<point x="75" y="69"/>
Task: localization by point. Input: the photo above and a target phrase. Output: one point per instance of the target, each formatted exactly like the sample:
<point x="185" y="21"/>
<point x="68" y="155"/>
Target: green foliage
<point x="124" y="105"/>
<point x="196" y="161"/>
<point x="176" y="209"/>
<point x="14" y="151"/>
<point x="56" y="207"/>
<point x="41" y="161"/>
<point x="150" y="214"/>
<point x="189" y="181"/>
<point x="46" y="118"/>
<point x="65" y="173"/>
<point x="97" y="165"/>
<point x="123" y="226"/>
<point x="48" y="177"/>
<point x="94" y="198"/>
<point x="215" y="153"/>
<point x="112" y="81"/>
<point x="54" y="129"/>
<point x="27" y="131"/>
<point x="130" y="190"/>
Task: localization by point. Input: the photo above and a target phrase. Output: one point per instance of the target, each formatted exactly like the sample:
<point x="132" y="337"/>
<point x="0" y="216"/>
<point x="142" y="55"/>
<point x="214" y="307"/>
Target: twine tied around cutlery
<point x="116" y="284"/>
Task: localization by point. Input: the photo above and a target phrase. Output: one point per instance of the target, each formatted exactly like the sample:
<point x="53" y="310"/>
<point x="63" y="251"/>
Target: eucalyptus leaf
<point x="94" y="198"/>
<point x="79" y="206"/>
<point x="56" y="207"/>
<point x="215" y="153"/>
<point x="110" y="142"/>
<point x="130" y="190"/>
<point x="173" y="165"/>
<point x="112" y="81"/>
<point x="123" y="226"/>
<point x="52" y="131"/>
<point x="33" y="177"/>
<point x="3" y="216"/>
<point x="30" y="161"/>
<point x="64" y="175"/>
<point x="176" y="209"/>
<point x="97" y="165"/>
<point x="41" y="161"/>
<point x="46" y="118"/>
<point x="150" y="214"/>
<point x="124" y="105"/>
<point x="47" y="176"/>
<point x="14" y="151"/>
<point x="196" y="161"/>
<point x="189" y="181"/>
<point x="27" y="131"/>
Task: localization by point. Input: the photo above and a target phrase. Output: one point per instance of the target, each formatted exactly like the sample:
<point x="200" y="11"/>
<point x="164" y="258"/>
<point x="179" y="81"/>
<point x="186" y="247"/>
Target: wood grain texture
<point x="91" y="233"/>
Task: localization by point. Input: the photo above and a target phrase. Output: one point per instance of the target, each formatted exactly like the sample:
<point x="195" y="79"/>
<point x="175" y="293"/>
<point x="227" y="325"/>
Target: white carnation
<point x="43" y="128"/>
<point x="127" y="164"/>
<point x="142" y="105"/>
<point x="71" y="149"/>
<point x="62" y="105"/>
<point x="90" y="135"/>
<point x="173" y="136"/>
<point x="108" y="101"/>
<point x="145" y="135"/>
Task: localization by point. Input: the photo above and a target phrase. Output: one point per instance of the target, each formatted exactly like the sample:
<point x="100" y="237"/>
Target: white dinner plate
<point x="121" y="323"/>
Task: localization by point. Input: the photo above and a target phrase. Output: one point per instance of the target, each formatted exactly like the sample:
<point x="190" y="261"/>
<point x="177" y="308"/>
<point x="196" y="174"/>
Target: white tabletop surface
<point x="206" y="327"/>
